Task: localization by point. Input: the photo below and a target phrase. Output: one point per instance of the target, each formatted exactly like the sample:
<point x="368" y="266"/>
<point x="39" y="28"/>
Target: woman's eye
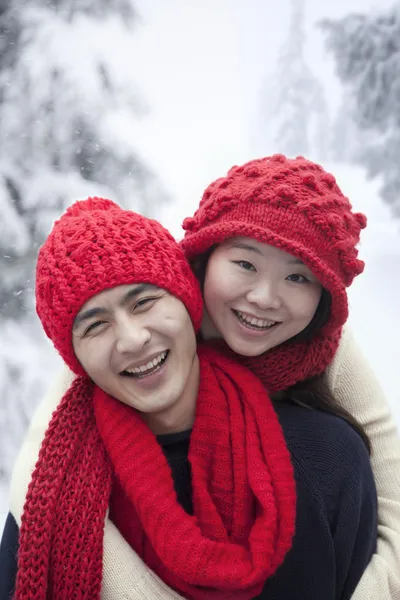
<point x="244" y="264"/>
<point x="297" y="278"/>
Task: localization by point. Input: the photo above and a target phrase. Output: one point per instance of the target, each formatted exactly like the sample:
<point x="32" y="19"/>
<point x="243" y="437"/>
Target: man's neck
<point x="180" y="416"/>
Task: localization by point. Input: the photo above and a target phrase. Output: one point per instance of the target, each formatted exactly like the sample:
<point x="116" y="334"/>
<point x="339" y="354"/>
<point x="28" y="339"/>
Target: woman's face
<point x="257" y="296"/>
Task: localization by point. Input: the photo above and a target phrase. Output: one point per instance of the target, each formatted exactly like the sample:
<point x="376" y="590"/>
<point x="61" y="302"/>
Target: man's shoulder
<point x="326" y="445"/>
<point x="8" y="557"/>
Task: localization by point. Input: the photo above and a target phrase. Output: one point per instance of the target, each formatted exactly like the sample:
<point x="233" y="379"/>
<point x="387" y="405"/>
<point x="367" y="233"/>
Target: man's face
<point x="137" y="343"/>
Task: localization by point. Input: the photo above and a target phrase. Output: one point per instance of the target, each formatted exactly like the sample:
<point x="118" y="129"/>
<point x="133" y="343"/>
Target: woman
<point x="113" y="292"/>
<point x="273" y="210"/>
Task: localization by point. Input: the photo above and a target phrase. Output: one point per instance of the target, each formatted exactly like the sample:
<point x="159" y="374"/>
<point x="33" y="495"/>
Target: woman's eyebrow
<point x="244" y="246"/>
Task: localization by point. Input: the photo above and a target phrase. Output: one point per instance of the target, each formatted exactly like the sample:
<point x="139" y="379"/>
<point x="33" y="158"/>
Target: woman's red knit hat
<point x="95" y="246"/>
<point x="292" y="204"/>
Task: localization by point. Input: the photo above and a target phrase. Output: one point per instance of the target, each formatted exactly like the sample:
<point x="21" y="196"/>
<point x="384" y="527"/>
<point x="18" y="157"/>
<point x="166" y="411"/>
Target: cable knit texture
<point x="292" y="204"/>
<point x="95" y="246"/>
<point x="243" y="482"/>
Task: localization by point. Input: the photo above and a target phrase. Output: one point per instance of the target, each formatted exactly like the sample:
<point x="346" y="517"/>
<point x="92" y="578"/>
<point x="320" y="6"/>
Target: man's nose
<point x="131" y="336"/>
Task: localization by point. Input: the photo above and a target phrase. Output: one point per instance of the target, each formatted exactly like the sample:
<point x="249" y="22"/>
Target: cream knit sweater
<point x="355" y="387"/>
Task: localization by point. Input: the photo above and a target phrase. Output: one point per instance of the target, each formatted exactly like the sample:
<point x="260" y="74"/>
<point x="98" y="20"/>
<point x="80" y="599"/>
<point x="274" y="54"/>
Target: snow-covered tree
<point x="366" y="49"/>
<point x="348" y="143"/>
<point x="68" y="108"/>
<point x="295" y="116"/>
<point x="345" y="134"/>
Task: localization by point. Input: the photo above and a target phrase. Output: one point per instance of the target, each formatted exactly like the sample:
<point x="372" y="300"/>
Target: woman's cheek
<point x="221" y="281"/>
<point x="306" y="300"/>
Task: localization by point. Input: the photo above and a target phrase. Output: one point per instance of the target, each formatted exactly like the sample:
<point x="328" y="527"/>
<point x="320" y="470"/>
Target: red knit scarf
<point x="243" y="493"/>
<point x="289" y="364"/>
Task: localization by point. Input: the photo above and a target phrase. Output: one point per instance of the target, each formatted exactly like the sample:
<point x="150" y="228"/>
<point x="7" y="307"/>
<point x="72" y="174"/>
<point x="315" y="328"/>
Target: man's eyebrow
<point x="96" y="311"/>
<point x="86" y="315"/>
<point x="136" y="291"/>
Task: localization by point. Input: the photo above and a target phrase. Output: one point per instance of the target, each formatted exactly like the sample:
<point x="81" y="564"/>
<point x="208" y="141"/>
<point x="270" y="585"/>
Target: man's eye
<point x="145" y="301"/>
<point x="93" y="326"/>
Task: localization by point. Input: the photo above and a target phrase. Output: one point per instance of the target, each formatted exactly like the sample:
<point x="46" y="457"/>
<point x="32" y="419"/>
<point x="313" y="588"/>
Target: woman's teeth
<point x="253" y="321"/>
<point x="147" y="368"/>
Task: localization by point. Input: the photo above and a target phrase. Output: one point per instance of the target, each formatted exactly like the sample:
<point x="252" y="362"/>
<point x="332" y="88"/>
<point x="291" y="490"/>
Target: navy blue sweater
<point x="336" y="521"/>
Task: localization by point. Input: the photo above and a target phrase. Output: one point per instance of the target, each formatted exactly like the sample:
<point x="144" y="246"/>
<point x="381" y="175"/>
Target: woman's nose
<point x="265" y="295"/>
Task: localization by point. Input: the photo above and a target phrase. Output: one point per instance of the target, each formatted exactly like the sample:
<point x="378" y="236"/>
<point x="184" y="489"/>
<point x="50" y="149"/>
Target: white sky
<point x="201" y="66"/>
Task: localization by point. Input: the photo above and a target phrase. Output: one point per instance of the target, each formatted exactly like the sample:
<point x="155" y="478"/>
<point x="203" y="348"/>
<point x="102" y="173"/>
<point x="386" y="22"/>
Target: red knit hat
<point x="292" y="204"/>
<point x="95" y="246"/>
<point x="99" y="454"/>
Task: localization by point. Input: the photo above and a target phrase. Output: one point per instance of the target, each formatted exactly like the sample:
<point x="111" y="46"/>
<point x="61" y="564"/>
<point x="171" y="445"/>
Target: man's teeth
<point x="254" y="322"/>
<point x="147" y="367"/>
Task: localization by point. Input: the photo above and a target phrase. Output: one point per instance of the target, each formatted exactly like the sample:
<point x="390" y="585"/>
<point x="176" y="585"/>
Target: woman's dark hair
<point x="313" y="393"/>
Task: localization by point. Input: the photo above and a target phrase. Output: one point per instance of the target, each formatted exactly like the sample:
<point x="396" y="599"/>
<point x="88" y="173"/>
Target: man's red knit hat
<point x="99" y="454"/>
<point x="292" y="204"/>
<point x="95" y="246"/>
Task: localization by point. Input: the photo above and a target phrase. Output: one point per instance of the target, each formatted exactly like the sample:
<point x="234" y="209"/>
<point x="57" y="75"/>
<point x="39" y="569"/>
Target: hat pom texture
<point x="294" y="200"/>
